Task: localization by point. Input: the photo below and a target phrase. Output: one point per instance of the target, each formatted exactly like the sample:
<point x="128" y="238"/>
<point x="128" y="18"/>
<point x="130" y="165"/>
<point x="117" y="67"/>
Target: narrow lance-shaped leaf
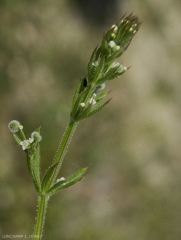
<point x="97" y="109"/>
<point x="99" y="69"/>
<point x="47" y="179"/>
<point x="108" y="76"/>
<point x="37" y="164"/>
<point x="91" y="66"/>
<point x="103" y="50"/>
<point x="113" y="73"/>
<point x="76" y="110"/>
<point x="30" y="162"/>
<point x="101" y="97"/>
<point x="114" y="55"/>
<point x="76" y="94"/>
<point x="76" y="177"/>
<point x="94" y="111"/>
<point x="80" y="91"/>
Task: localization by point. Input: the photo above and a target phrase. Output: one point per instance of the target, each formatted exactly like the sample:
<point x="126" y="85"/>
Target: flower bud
<point x="36" y="136"/>
<point x="92" y="100"/>
<point x="14" y="126"/>
<point x="101" y="86"/>
<point x="82" y="104"/>
<point x="121" y="68"/>
<point x="112" y="44"/>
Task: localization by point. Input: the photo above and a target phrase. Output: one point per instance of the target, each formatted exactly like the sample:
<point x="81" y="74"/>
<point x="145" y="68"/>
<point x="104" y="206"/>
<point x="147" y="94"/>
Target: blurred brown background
<point x="133" y="189"/>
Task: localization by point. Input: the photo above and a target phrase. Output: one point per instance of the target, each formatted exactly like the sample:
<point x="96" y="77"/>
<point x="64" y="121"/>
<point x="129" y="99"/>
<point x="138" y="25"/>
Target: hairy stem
<point x="62" y="149"/>
<point x="40" y="219"/>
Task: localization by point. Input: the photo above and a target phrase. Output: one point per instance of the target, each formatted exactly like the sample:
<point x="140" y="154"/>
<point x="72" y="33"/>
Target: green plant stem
<point x="41" y="214"/>
<point x="43" y="199"/>
<point x="62" y="149"/>
<point x="65" y="142"/>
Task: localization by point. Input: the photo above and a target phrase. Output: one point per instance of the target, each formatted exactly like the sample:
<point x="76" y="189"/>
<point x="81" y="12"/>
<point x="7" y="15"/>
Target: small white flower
<point x="82" y="104"/>
<point x="61" y="179"/>
<point x="102" y="86"/>
<point x="113" y="35"/>
<point x="115" y="65"/>
<point x="131" y="29"/>
<point x="25" y="144"/>
<point x="20" y="127"/>
<point x="95" y="64"/>
<point x="114" y="27"/>
<point x="121" y="68"/>
<point x="31" y="140"/>
<point x="125" y="68"/>
<point x="92" y="101"/>
<point x="112" y="44"/>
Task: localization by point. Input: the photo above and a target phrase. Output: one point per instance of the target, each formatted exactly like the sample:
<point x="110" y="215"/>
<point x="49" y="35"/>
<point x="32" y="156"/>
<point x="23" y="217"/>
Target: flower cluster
<point x="102" y="67"/>
<point x="15" y="126"/>
<point x="31" y="147"/>
<point x="35" y="137"/>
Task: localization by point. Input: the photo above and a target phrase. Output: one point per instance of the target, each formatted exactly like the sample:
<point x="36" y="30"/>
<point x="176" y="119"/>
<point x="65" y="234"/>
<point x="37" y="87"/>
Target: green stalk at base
<point x="41" y="214"/>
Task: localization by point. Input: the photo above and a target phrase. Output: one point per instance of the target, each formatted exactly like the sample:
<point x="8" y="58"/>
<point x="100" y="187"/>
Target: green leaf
<point x="94" y="111"/>
<point x="91" y="67"/>
<point x="47" y="179"/>
<point x="77" y="108"/>
<point x="99" y="69"/>
<point x="98" y="108"/>
<point x="32" y="171"/>
<point x="77" y="92"/>
<point x="76" y="177"/>
<point x="108" y="35"/>
<point x="108" y="76"/>
<point x="37" y="165"/>
<point x="115" y="55"/>
<point x="104" y="50"/>
<point x="101" y="96"/>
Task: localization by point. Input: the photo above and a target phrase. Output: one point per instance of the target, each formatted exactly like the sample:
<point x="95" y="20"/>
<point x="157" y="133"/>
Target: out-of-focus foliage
<point x="132" y="190"/>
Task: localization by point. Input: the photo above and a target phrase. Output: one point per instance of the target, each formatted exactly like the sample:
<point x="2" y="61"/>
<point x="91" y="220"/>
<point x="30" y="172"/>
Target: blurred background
<point x="133" y="189"/>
